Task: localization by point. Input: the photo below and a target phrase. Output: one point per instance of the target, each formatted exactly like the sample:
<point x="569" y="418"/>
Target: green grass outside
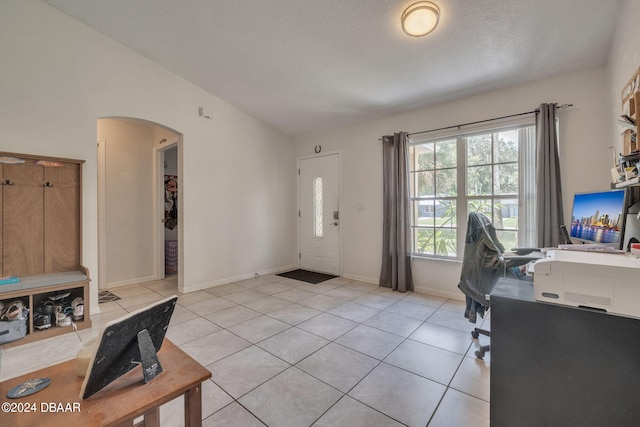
<point x="507" y="238"/>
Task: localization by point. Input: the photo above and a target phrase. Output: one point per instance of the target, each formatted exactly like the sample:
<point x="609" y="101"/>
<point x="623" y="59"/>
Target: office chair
<point x="483" y="264"/>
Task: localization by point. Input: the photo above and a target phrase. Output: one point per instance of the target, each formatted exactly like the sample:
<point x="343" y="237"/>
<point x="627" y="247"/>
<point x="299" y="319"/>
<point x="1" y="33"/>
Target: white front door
<point x="319" y="214"/>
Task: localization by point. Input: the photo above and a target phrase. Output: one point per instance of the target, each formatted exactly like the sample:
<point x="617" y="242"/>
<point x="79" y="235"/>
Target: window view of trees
<point x="491" y="186"/>
<point x="436" y="196"/>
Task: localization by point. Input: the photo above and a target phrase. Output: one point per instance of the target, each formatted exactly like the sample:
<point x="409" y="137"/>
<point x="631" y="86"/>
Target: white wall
<point x="129" y="210"/>
<point x="57" y="77"/>
<point x="584" y="138"/>
<point x="624" y="60"/>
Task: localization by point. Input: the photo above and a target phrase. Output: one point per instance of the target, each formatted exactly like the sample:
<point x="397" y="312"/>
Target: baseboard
<point x="371" y="280"/>
<point x="277" y="270"/>
<point x="438" y="292"/>
<point x="136" y="281"/>
<point x="227" y="280"/>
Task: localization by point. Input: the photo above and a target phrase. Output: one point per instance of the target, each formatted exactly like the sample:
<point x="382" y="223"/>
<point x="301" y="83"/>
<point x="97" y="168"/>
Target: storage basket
<point x="12" y="330"/>
<point x="171" y="257"/>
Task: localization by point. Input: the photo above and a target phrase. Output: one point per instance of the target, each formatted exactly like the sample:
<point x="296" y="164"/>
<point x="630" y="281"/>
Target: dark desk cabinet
<point x="555" y="365"/>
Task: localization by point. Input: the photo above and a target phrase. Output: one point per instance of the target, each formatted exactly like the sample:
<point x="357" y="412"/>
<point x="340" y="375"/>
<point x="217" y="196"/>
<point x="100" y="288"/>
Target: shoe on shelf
<point x="14" y="311"/>
<point x="78" y="308"/>
<point x="42" y="321"/>
<point x="63" y="320"/>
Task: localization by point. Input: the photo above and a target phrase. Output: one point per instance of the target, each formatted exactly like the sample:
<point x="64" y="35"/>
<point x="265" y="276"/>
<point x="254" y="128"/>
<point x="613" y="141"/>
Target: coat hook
<point x="318" y="149"/>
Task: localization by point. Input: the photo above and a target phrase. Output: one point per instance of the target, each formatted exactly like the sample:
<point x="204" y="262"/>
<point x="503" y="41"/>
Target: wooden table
<point x="117" y="404"/>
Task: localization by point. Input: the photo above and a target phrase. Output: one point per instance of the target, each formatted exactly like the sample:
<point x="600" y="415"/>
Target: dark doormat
<point x="306" y="276"/>
<point x="106" y="296"/>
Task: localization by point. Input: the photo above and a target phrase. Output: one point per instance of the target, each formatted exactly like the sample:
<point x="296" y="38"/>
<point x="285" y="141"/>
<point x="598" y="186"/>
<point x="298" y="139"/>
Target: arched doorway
<point x="131" y="201"/>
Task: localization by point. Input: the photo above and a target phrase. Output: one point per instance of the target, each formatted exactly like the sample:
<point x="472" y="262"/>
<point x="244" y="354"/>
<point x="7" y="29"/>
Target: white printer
<point x="607" y="281"/>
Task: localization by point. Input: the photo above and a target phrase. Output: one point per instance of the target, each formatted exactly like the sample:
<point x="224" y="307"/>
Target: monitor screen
<point x="598" y="217"/>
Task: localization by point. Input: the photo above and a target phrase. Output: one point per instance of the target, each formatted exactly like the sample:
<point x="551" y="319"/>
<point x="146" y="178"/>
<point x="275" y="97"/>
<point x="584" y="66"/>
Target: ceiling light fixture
<point x="420" y="18"/>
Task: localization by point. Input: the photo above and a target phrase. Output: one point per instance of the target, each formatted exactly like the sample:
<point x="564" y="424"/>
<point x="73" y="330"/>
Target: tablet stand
<point x="151" y="367"/>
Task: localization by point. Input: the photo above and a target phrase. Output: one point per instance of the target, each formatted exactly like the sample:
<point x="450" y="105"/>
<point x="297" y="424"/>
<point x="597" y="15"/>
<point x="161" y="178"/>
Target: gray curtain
<point x="396" y="244"/>
<point x="549" y="190"/>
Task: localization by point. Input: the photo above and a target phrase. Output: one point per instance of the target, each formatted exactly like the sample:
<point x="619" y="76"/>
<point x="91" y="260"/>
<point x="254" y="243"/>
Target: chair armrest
<point x="524" y="251"/>
<point x="518" y="260"/>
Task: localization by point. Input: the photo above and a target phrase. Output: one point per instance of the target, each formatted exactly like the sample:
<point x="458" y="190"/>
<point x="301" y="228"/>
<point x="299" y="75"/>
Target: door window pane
<point x="317" y="207"/>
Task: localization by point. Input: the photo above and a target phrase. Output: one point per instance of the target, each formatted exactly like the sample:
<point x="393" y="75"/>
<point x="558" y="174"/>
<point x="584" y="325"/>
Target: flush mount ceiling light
<point x="420" y="18"/>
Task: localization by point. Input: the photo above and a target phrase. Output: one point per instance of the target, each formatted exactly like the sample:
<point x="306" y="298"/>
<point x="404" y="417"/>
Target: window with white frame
<point x="490" y="171"/>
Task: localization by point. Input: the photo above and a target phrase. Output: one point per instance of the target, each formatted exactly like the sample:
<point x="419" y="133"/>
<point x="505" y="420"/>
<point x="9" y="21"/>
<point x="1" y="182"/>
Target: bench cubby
<point x="33" y="290"/>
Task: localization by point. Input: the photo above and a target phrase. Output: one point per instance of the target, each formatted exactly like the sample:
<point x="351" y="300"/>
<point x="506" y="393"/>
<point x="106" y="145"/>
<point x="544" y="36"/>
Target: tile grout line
<point x="379" y="311"/>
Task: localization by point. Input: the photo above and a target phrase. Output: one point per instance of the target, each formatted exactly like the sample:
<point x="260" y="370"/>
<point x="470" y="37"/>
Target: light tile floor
<point x="288" y="353"/>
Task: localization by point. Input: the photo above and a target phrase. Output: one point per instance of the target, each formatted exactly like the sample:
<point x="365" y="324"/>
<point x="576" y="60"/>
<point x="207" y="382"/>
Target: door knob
<point x="335" y="223"/>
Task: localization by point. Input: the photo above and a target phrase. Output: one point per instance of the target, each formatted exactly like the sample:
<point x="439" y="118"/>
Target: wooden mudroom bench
<point x="41" y="239"/>
<point x="33" y="290"/>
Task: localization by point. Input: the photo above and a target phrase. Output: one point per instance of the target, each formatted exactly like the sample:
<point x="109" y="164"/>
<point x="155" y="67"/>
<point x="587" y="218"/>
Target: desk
<point x="117" y="404"/>
<point x="554" y="365"/>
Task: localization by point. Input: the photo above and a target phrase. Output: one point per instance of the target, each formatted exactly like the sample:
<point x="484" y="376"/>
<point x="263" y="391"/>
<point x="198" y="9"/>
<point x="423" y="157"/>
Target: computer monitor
<point x="124" y="343"/>
<point x="598" y="217"/>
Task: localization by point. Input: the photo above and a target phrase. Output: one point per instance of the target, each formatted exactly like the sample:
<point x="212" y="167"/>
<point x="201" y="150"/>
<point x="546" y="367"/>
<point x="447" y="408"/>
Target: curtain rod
<point x="563" y="106"/>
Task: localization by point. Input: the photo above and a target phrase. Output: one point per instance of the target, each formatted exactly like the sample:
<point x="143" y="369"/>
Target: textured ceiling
<point x="310" y="65"/>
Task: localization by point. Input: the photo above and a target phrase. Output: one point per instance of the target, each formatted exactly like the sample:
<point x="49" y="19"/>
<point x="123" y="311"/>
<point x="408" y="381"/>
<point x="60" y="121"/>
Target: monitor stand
<point x="151" y="367"/>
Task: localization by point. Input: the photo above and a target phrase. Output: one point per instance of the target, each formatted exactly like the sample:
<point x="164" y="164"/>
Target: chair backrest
<point x="482" y="263"/>
<point x="479" y="226"/>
